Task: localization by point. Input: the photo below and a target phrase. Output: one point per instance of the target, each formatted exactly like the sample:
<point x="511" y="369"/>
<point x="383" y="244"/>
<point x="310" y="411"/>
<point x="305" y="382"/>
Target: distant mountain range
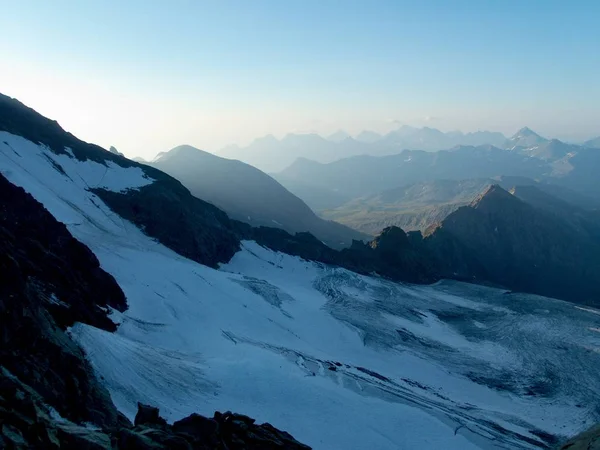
<point x="249" y="195"/>
<point x="273" y="155"/>
<point x="367" y="175"/>
<point x="525" y="155"/>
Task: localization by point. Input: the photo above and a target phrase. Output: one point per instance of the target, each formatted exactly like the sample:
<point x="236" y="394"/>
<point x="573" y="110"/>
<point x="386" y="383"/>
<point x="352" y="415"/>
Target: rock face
<point x="50" y="280"/>
<point x="26" y="422"/>
<point x="166" y="211"/>
<point x="503" y="240"/>
<point x="221" y="432"/>
<point x="390" y="255"/>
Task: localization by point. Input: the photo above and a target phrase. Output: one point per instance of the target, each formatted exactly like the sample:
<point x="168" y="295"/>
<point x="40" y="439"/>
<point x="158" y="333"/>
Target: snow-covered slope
<point x="341" y="361"/>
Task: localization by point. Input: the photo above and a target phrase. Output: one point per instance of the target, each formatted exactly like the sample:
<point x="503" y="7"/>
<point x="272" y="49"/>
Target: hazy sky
<point x="147" y="75"/>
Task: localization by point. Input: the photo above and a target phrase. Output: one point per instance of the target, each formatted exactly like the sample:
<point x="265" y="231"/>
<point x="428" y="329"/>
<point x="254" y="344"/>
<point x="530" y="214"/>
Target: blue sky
<point x="148" y="75"/>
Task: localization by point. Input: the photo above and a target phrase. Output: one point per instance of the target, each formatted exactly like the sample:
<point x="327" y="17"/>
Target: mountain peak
<point x="179" y="152"/>
<point x="390" y="238"/>
<point x="368" y="136"/>
<point x="338" y="136"/>
<point x="525" y="138"/>
<point x="526" y="131"/>
<point x="492" y="194"/>
<point x="113" y="150"/>
<point x="267" y="139"/>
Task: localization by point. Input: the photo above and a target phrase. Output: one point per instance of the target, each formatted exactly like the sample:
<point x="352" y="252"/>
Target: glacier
<point x="340" y="360"/>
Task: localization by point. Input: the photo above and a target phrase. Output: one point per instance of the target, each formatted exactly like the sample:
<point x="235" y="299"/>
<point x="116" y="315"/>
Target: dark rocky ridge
<point x="50" y="280"/>
<point x="224" y="431"/>
<point x="26" y="422"/>
<point x="505" y="241"/>
<point x="166" y="211"/>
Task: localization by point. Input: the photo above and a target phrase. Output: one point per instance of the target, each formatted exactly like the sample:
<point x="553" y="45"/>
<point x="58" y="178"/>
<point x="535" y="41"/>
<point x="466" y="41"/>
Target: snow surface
<point x="340" y="360"/>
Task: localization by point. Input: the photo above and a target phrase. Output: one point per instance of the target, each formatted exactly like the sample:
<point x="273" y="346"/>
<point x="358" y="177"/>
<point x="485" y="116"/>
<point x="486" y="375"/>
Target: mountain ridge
<point x="248" y="194"/>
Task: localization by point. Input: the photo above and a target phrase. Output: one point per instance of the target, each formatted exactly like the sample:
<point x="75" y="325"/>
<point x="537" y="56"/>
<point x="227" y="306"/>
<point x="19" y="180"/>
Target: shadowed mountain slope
<point x="249" y="195"/>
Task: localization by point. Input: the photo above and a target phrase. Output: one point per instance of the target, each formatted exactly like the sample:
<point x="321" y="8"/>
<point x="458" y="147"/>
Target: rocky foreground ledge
<point x="27" y="423"/>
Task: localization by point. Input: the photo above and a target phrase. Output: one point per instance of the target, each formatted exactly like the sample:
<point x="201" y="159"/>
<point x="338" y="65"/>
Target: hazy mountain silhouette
<point x="273" y="155"/>
<point x="368" y="136"/>
<point x="338" y="136"/>
<point x="579" y="171"/>
<point x="366" y="175"/>
<point x="249" y="195"/>
<point x="593" y="143"/>
<point x="524" y="138"/>
<point x="316" y="197"/>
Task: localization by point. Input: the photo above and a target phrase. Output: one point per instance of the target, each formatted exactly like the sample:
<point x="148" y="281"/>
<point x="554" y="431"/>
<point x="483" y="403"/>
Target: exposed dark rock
<point x="390" y="256"/>
<point x="198" y="428"/>
<point x="148" y="415"/>
<point x="50" y="280"/>
<point x="502" y="240"/>
<point x="166" y="211"/>
<point x="27" y="423"/>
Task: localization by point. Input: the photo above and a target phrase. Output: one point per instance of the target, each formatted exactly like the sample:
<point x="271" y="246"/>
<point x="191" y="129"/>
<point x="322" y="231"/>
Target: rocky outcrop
<point x="390" y="255"/>
<point x="502" y="240"/>
<point x="26" y="422"/>
<point x="49" y="281"/>
<point x="224" y="431"/>
<point x="166" y="211"/>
